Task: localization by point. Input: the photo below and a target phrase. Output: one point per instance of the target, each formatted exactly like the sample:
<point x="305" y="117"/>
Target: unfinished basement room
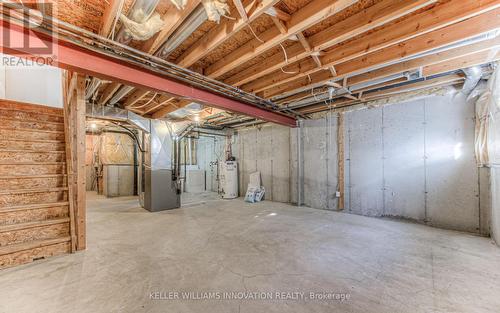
<point x="249" y="156"/>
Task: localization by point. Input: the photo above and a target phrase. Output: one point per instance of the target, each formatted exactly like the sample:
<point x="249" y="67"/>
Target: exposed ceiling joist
<point x="109" y="16"/>
<point x="173" y="19"/>
<point x="418" y="24"/>
<point x="221" y="33"/>
<point x="370" y="18"/>
<point x="311" y="14"/>
<point x="170" y="108"/>
<point x="432" y="40"/>
<point x="108" y="92"/>
<point x="445" y="56"/>
<point x="477" y="58"/>
<point x="135" y="97"/>
<point x="241" y="9"/>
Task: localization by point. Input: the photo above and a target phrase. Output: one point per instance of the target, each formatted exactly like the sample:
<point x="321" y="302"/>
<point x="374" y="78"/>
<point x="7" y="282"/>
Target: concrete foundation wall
<point x="495" y="177"/>
<point x="265" y="149"/>
<point x="413" y="160"/>
<point x="319" y="163"/>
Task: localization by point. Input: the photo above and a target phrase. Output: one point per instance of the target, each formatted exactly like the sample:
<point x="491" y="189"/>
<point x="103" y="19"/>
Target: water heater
<point x="230" y="180"/>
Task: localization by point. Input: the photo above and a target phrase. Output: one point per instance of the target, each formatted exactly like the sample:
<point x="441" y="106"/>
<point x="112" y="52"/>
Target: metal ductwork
<point x="146" y="8"/>
<point x="122" y="92"/>
<point x="159" y="187"/>
<point x="472" y="77"/>
<point x="195" y="19"/>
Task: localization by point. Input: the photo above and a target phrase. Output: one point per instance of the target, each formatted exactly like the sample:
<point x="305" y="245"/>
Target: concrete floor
<point x="212" y="245"/>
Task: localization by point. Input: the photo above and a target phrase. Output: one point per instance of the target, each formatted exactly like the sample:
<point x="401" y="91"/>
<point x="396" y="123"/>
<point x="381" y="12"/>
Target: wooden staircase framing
<point x="42" y="177"/>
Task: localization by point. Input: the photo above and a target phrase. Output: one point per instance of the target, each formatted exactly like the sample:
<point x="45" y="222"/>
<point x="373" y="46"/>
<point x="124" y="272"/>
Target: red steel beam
<point x="71" y="57"/>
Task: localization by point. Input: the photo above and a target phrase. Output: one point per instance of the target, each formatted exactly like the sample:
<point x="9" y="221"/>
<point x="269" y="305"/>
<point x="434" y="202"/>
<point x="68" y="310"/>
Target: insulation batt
<point x="142" y="31"/>
<point x="179" y="4"/>
<point x="215" y="9"/>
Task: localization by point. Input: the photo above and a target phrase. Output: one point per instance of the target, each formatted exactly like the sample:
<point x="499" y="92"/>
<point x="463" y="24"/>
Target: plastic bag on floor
<point x="250" y="195"/>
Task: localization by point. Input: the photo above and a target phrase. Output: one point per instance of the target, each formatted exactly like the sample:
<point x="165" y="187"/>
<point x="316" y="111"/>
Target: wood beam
<point x="280" y="25"/>
<point x="163" y="101"/>
<point x="424" y="61"/>
<point x="170" y="108"/>
<point x="432" y="40"/>
<point x="135" y="97"/>
<point x="312" y="13"/>
<point x="74" y="111"/>
<point x="108" y="92"/>
<point x="109" y="16"/>
<point x="172" y="18"/>
<point x="225" y="30"/>
<point x="478" y="58"/>
<point x="418" y="24"/>
<point x="368" y="19"/>
<point x="241" y="9"/>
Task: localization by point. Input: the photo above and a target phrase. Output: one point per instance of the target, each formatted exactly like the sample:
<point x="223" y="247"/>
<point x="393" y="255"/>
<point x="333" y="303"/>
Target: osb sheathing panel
<point x="86" y="14"/>
<point x="259" y="25"/>
<point x="33" y="215"/>
<point x="33" y="169"/>
<point x="292" y="6"/>
<point x="8" y="123"/>
<point x="27" y="256"/>
<point x="31" y="145"/>
<point x="34" y="233"/>
<point x="31" y="116"/>
<point x="258" y="59"/>
<point x="32" y="182"/>
<point x="31" y="156"/>
<point x="195" y="36"/>
<point x="15" y="199"/>
<point x="29" y="135"/>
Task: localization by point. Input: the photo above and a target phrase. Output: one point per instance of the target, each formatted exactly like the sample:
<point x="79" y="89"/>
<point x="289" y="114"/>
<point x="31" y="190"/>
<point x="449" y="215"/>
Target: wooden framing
<point x="408" y="28"/>
<point x="432" y="40"/>
<point x="315" y="11"/>
<point x="109" y="16"/>
<point x="221" y="33"/>
<point x="173" y="18"/>
<point x="368" y="19"/>
<point x="341" y="158"/>
<point x="170" y="108"/>
<point x="74" y="111"/>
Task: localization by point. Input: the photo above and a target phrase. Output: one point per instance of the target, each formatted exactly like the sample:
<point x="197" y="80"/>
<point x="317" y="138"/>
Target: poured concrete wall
<point x="265" y="149"/>
<point x="319" y="165"/>
<point x="413" y="160"/>
<point x="210" y="155"/>
<point x="495" y="177"/>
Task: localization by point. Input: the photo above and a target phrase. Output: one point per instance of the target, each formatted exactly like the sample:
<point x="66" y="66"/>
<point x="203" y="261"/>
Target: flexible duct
<point x="472" y="77"/>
